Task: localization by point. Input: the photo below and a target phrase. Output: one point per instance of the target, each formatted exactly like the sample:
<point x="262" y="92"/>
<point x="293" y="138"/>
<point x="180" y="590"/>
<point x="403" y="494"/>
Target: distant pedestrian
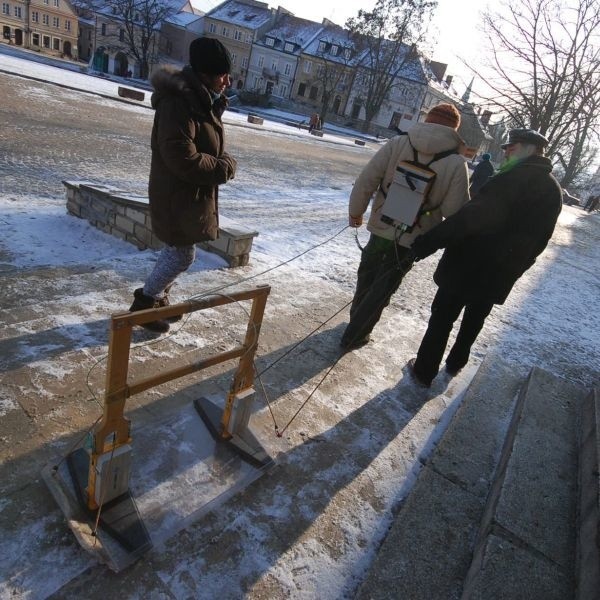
<point x="314" y="122"/>
<point x="489" y="244"/>
<point x="482" y="172"/>
<point x="592" y="203"/>
<point x="188" y="164"/>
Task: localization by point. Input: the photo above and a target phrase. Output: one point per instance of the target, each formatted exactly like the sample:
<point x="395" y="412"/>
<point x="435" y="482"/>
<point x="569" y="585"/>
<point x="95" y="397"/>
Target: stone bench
<point x="255" y="120"/>
<point x="298" y="124"/>
<point x="132" y="94"/>
<point x="127" y="217"/>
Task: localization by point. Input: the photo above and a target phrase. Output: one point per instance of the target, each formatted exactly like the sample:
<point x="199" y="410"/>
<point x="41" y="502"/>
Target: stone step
<point x="428" y="549"/>
<point x="526" y="541"/>
<point x="588" y="531"/>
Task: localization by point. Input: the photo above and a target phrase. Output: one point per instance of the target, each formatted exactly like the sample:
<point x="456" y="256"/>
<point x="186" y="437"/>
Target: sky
<point x="292" y="216"/>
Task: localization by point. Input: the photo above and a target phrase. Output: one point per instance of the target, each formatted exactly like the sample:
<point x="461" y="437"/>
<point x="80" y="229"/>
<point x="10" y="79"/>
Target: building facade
<point x="326" y="72"/>
<point x="274" y="58"/>
<point x="47" y="26"/>
<point x="238" y="24"/>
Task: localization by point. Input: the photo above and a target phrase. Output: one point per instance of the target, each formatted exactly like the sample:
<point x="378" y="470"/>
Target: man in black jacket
<point x="489" y="244"/>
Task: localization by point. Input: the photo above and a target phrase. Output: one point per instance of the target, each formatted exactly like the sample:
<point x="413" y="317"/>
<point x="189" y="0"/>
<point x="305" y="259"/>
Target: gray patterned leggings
<point x="171" y="262"/>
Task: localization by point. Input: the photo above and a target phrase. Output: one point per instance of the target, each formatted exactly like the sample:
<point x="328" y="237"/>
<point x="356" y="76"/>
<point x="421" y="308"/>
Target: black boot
<point x="142" y="302"/>
<point x="164" y="301"/>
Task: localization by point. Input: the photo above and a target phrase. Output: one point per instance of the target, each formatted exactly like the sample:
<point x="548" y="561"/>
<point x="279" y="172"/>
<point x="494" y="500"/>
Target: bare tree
<point x="140" y="22"/>
<point x="388" y="35"/>
<point x="335" y="54"/>
<point x="545" y="60"/>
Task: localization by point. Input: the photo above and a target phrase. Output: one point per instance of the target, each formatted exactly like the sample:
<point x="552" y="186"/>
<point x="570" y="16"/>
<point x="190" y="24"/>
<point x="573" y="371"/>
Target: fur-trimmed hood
<point x="170" y="81"/>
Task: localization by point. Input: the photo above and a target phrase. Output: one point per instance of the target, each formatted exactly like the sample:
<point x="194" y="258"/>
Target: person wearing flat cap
<point x="489" y="244"/>
<point x="387" y="258"/>
<point x="188" y="164"/>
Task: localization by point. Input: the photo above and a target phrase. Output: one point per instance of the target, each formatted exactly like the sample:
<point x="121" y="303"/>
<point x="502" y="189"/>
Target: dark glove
<point x="421" y="248"/>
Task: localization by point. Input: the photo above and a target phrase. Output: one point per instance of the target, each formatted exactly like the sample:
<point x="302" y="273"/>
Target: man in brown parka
<point x="188" y="164"/>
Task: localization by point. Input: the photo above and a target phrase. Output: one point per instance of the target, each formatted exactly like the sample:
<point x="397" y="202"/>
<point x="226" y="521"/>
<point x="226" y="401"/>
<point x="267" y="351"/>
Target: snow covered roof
<point x="183" y="19"/>
<point x="407" y="65"/>
<point x="330" y="43"/>
<point x="291" y="30"/>
<point x="204" y="6"/>
<point x="251" y="16"/>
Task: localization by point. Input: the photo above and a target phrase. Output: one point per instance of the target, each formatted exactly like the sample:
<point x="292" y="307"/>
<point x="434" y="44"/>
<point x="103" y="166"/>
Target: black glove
<point x="421" y="248"/>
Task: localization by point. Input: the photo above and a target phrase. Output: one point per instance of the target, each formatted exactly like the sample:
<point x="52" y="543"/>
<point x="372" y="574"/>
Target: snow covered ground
<point x="311" y="529"/>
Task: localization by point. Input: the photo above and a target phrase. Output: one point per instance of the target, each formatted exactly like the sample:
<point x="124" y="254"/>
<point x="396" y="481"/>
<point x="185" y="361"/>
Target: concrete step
<point x="588" y="531"/>
<point x="525" y="547"/>
<point x="428" y="549"/>
<point x="492" y="513"/>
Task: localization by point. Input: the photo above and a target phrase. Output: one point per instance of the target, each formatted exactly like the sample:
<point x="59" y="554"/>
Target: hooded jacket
<point x="497" y="236"/>
<point x="188" y="159"/>
<point x="449" y="192"/>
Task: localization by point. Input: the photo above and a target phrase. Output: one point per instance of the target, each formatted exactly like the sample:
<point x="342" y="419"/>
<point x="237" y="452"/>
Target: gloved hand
<point x="421" y="248"/>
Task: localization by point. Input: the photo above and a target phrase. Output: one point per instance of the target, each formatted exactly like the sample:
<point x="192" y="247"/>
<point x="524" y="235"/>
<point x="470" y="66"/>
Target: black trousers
<point x="445" y="309"/>
<point x="383" y="264"/>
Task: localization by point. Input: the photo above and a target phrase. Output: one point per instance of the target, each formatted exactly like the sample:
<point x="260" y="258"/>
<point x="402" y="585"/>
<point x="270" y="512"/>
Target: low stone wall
<point x="127" y="217"/>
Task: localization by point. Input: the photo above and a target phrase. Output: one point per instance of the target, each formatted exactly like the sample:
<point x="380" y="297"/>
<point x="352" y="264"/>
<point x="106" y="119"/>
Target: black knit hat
<point x="209" y="56"/>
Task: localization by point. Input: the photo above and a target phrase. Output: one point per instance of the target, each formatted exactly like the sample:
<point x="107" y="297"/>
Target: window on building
<point x="5" y="8"/>
<point x="335" y="49"/>
<point x="261" y="60"/>
<point x="55" y="22"/>
<point x="45" y="1"/>
<point x="314" y="92"/>
<point x="287" y="69"/>
<point x="121" y="35"/>
<point x="56" y="3"/>
<point x="46" y="20"/>
<point x="212" y="28"/>
<point x="307" y="66"/>
<point x="245" y="62"/>
<point x="302" y="89"/>
<point x="322" y="46"/>
<point x="320" y="70"/>
<point x="18" y="11"/>
<point x="225" y="32"/>
<point x="56" y="44"/>
<point x="103" y="29"/>
<point x="347" y="53"/>
<point x="283" y="90"/>
<point x="67" y="25"/>
<point x="237" y="35"/>
<point x="289" y="47"/>
<point x="270" y="41"/>
<point x="46" y="41"/>
<point x="274" y="65"/>
<point x="233" y="58"/>
<point x="35" y="39"/>
<point x="255" y="82"/>
<point x="248" y="38"/>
